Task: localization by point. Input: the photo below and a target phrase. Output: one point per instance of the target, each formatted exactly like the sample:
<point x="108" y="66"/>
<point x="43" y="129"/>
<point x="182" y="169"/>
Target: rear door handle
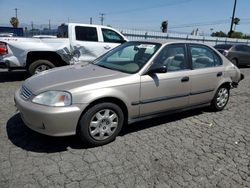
<point x="185" y="79"/>
<point x="219" y="74"/>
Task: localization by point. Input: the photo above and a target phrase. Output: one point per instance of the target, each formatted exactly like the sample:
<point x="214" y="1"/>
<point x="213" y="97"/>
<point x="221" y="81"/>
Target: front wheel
<point x="220" y="99"/>
<point x="101" y="124"/>
<point x="40" y="66"/>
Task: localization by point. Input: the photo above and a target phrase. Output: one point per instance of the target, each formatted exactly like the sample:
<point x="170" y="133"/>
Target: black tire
<point x="84" y="129"/>
<point x="41" y="63"/>
<point x="223" y="93"/>
<point x="235" y="62"/>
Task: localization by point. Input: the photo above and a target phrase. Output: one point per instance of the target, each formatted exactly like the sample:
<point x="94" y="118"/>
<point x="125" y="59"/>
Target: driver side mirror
<point x="161" y="69"/>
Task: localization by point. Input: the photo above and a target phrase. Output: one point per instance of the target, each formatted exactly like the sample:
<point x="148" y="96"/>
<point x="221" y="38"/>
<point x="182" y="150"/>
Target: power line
<point x="150" y="7"/>
<point x="207" y="23"/>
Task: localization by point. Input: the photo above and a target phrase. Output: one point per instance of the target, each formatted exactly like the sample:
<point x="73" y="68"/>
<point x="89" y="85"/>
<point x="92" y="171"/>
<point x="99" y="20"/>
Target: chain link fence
<point x="132" y="34"/>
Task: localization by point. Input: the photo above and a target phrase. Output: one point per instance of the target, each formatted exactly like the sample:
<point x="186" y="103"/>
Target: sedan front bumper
<point x="52" y="121"/>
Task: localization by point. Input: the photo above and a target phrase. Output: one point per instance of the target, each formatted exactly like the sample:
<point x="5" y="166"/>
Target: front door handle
<point x="107" y="47"/>
<point x="185" y="79"/>
<point x="219" y="74"/>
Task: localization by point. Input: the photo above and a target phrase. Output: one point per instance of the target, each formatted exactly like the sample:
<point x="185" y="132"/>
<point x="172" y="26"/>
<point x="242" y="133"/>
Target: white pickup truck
<point x="74" y="43"/>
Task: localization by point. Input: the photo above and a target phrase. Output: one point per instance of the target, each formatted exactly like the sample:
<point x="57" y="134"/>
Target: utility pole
<point x="49" y="25"/>
<point x="32" y="25"/>
<point x="32" y="28"/>
<point x="16" y="12"/>
<point x="102" y="17"/>
<point x="68" y="19"/>
<point x="90" y="20"/>
<point x="232" y="21"/>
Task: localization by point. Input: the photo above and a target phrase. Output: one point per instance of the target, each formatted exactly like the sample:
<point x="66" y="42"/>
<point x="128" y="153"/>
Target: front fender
<point x="127" y="96"/>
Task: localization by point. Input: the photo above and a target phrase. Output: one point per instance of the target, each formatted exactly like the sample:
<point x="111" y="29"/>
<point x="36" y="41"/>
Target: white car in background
<point x="7" y="34"/>
<point x="74" y="43"/>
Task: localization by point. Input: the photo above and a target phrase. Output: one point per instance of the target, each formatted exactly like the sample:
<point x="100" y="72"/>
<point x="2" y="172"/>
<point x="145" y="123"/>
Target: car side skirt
<point x="164" y="113"/>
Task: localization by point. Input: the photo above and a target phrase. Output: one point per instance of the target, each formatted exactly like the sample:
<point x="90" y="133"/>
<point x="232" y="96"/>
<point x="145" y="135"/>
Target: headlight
<point x="53" y="98"/>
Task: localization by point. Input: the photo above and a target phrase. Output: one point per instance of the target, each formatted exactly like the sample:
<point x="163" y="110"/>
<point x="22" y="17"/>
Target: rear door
<point x="206" y="75"/>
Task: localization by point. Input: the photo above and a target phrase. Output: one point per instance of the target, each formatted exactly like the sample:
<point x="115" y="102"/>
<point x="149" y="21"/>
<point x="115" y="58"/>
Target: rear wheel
<point x="100" y="124"/>
<point x="40" y="66"/>
<point x="220" y="99"/>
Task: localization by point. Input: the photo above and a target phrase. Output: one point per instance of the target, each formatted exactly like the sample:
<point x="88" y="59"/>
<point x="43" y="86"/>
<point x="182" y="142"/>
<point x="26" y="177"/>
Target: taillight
<point x="225" y="53"/>
<point x="3" y="48"/>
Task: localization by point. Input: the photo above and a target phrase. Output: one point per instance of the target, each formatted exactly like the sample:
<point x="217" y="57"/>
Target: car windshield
<point x="129" y="57"/>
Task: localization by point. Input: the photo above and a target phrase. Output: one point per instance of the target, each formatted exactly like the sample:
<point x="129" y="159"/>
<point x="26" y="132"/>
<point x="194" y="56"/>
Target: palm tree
<point x="14" y="22"/>
<point x="164" y="26"/>
<point x="236" y="22"/>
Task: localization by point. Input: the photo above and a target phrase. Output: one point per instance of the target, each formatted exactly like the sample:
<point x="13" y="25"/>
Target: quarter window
<point x="203" y="57"/>
<point x="86" y="34"/>
<point x="111" y="36"/>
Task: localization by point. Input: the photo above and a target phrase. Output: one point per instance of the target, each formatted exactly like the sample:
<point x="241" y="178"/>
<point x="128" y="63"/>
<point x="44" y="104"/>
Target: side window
<point x="173" y="57"/>
<point x="86" y="33"/>
<point x="247" y="48"/>
<point x="203" y="57"/>
<point x="238" y="48"/>
<point x="111" y="36"/>
<point x="62" y="31"/>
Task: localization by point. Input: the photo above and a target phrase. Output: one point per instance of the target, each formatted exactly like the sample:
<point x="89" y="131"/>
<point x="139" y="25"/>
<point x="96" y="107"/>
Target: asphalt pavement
<point x="197" y="148"/>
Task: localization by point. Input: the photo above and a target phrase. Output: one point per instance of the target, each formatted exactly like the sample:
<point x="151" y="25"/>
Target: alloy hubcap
<point x="222" y="97"/>
<point x="41" y="68"/>
<point x="103" y="124"/>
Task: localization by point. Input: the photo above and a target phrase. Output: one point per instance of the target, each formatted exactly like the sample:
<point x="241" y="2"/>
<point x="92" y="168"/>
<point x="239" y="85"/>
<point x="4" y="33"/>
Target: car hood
<point x="70" y="77"/>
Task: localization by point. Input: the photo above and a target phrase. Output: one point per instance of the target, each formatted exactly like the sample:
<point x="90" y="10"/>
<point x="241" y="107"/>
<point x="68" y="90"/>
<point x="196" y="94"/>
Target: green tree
<point x="237" y="35"/>
<point x="236" y="22"/>
<point x="164" y="26"/>
<point x="14" y="22"/>
<point x="246" y="37"/>
<point x="219" y="34"/>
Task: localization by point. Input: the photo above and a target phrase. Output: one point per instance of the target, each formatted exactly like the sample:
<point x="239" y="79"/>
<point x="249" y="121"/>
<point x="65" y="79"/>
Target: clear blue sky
<point x="137" y="14"/>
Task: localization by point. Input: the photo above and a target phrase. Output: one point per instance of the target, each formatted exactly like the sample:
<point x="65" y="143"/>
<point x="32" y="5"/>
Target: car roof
<point x="168" y="41"/>
<point x="88" y="25"/>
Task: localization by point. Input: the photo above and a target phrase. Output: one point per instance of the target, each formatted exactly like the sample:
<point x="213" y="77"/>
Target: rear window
<point x="86" y="33"/>
<point x="223" y="46"/>
<point x="62" y="31"/>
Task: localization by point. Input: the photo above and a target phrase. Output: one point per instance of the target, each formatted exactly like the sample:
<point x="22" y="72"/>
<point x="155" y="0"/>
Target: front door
<point x="166" y="91"/>
<point x="87" y="43"/>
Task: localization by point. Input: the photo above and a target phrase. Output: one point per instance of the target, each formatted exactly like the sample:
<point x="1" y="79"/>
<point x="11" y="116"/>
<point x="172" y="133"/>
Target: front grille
<point x="25" y="93"/>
